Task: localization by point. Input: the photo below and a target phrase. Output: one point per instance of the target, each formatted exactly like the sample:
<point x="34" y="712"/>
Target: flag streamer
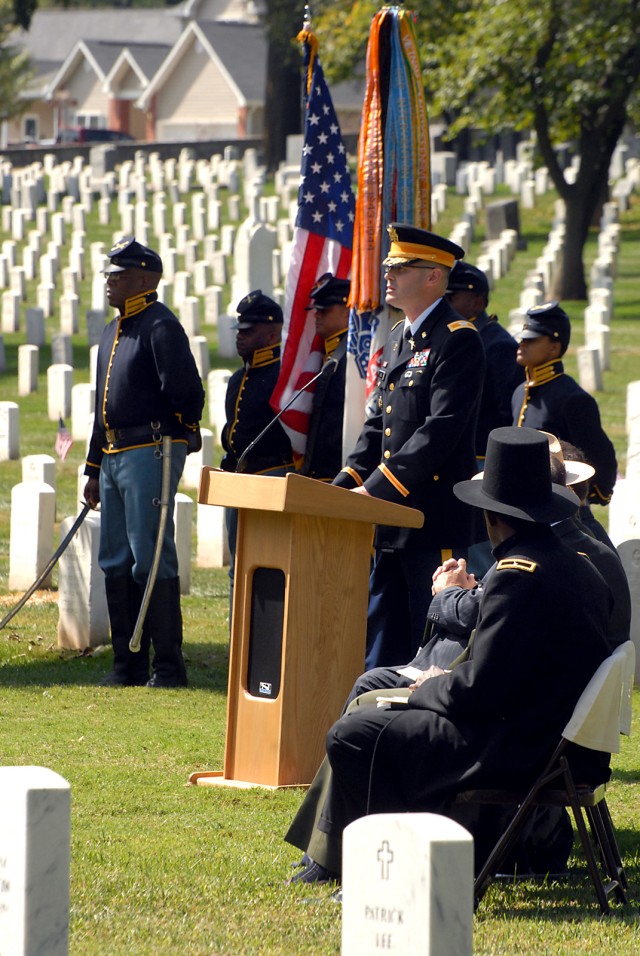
<point x="393" y="173"/>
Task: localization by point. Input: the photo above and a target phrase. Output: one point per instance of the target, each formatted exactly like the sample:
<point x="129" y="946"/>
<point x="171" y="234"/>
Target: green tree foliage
<point x="15" y="70"/>
<point x="567" y="69"/>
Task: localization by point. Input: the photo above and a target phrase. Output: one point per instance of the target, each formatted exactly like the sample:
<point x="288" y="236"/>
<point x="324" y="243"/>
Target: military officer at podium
<point x="420" y="439"/>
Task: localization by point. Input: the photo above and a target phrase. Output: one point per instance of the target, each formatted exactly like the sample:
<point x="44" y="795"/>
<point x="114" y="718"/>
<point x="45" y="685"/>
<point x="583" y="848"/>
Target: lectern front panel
<point x="264" y="669"/>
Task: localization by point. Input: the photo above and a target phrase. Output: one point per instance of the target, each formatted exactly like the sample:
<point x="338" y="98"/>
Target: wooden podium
<point x="299" y="618"/>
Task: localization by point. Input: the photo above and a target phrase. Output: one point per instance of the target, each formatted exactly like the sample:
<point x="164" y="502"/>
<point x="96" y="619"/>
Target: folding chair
<point x="601" y="714"/>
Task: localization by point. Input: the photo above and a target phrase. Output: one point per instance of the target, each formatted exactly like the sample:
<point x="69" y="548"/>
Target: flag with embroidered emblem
<point x="322" y="242"/>
<point x="393" y="176"/>
<point x="64" y="441"/>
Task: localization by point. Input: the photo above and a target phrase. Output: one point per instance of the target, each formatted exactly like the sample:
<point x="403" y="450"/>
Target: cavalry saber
<point x="50" y="566"/>
<point x="136" y="637"/>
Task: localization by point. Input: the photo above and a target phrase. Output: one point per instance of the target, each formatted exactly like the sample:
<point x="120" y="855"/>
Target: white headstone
<point x="217" y="381"/>
<point x="212" y="545"/>
<point x="183" y="521"/>
<point x="82" y="406"/>
<point x="9" y="431"/>
<point x="28" y="356"/>
<point x="33" y="512"/>
<point x="200" y="351"/>
<point x="83" y="619"/>
<point x="59" y="385"/>
<point x="35" y="840"/>
<point x="589" y="370"/>
<point x="39" y="468"/>
<point x="197" y="459"/>
<point x="407" y="886"/>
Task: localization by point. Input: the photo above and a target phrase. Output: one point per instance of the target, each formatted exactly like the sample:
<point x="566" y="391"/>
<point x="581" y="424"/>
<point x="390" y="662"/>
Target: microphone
<point x="331" y="364"/>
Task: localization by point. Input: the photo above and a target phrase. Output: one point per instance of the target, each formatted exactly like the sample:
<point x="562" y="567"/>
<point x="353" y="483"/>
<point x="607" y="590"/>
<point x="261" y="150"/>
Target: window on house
<point x="30" y="129"/>
<point x="91" y="120"/>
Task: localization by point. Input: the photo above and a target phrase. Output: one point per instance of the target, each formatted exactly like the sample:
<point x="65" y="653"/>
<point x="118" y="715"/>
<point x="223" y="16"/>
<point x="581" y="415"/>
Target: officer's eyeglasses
<point x="400" y="270"/>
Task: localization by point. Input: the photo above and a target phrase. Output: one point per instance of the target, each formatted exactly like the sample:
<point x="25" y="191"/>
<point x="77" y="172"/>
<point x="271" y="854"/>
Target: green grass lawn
<point x="161" y="868"/>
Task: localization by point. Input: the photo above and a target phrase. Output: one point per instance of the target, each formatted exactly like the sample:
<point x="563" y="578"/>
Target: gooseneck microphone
<point x="331" y="364"/>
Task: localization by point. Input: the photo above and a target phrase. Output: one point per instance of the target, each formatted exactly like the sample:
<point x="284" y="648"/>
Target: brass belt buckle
<point x="111" y="435"/>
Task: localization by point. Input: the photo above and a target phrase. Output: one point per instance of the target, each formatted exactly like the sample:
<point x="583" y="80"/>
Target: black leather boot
<point x="163" y="627"/>
<point x="123" y="601"/>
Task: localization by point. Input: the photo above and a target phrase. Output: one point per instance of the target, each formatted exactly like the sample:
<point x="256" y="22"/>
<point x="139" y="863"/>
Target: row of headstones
<point x="33" y="515"/>
<point x="407" y="878"/>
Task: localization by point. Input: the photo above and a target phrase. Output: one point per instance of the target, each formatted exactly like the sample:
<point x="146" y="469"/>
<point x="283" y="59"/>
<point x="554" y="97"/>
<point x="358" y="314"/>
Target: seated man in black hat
<point x="495" y="717"/>
<point x="323" y="452"/>
<point x="552" y="401"/>
<point x="419" y="440"/>
<point x="147" y="387"/>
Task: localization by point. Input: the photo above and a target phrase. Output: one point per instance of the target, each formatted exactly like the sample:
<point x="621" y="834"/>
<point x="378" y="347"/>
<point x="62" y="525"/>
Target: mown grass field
<point x="159" y="868"/>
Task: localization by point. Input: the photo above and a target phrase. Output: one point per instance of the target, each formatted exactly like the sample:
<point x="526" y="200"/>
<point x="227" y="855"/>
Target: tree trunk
<point x="283" y="104"/>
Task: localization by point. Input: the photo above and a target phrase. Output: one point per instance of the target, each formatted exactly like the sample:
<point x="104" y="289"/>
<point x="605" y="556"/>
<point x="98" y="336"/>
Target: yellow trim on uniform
<point x="461" y="324"/>
<point x="353" y="474"/>
<point x="516" y="564"/>
<point x="265" y="356"/>
<point x="332" y="343"/>
<point x="542" y="374"/>
<point x="388" y="474"/>
<point x="116" y="339"/>
<point x="445" y="554"/>
<point x="415" y="250"/>
<point x="109" y="450"/>
<point x="138" y="303"/>
<point x="237" y="407"/>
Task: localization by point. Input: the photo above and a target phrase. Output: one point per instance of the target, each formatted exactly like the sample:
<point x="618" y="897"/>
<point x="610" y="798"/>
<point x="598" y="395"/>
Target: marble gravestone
<point x="407" y="886"/>
<point x="83" y="618"/>
<point x="35" y="837"/>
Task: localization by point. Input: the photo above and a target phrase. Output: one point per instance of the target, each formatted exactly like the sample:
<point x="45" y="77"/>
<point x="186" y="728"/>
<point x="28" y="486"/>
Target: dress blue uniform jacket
<point x="323" y="455"/>
<point x="502" y="378"/>
<point x="552" y="401"/>
<point x="421" y="438"/>
<point x="145" y="372"/>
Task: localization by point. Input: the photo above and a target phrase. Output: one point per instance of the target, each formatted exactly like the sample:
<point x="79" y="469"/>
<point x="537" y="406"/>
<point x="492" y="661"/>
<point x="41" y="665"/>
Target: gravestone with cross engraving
<point x="407" y="886"/>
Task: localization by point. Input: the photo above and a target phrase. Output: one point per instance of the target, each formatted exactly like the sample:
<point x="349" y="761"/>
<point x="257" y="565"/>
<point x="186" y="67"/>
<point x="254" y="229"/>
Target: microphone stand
<point x="331" y="364"/>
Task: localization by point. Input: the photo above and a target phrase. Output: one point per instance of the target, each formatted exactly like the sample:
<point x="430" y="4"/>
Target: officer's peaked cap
<point x="130" y="254"/>
<point x="516" y="481"/>
<point x="408" y="244"/>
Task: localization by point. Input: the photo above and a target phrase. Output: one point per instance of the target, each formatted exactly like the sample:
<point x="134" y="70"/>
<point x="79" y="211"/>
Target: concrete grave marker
<point x="33" y="512"/>
<point x="407" y="886"/>
<point x="9" y="431"/>
<point x="83" y="618"/>
<point x="35" y="840"/>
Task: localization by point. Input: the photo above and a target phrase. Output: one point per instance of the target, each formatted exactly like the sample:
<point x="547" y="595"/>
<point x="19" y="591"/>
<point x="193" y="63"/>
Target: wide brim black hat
<point x="516" y="481"/>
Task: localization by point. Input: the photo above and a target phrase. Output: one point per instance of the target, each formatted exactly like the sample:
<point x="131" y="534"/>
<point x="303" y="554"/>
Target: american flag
<point x="322" y="242"/>
<point x="64" y="441"/>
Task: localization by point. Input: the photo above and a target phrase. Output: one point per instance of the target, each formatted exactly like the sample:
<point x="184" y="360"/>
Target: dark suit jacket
<point x="421" y="438"/>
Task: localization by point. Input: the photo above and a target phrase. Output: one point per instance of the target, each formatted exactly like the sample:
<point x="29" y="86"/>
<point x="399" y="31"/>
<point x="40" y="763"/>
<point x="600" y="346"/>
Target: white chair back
<point x="603" y="711"/>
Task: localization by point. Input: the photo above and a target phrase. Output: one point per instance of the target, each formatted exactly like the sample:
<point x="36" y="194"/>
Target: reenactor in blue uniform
<point x="419" y="441"/>
<point x="259" y="331"/>
<point x="468" y="293"/>
<point x="552" y="401"/>
<point x="323" y="453"/>
<point x="247" y="408"/>
<point x="147" y="387"/>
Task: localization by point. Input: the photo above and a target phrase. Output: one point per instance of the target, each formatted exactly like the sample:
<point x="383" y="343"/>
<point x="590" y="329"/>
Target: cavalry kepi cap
<point x="516" y="481"/>
<point x="409" y="243"/>
<point x="328" y="291"/>
<point x="547" y="319"/>
<point x="467" y="278"/>
<point x="257" y="309"/>
<point x="129" y="254"/>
